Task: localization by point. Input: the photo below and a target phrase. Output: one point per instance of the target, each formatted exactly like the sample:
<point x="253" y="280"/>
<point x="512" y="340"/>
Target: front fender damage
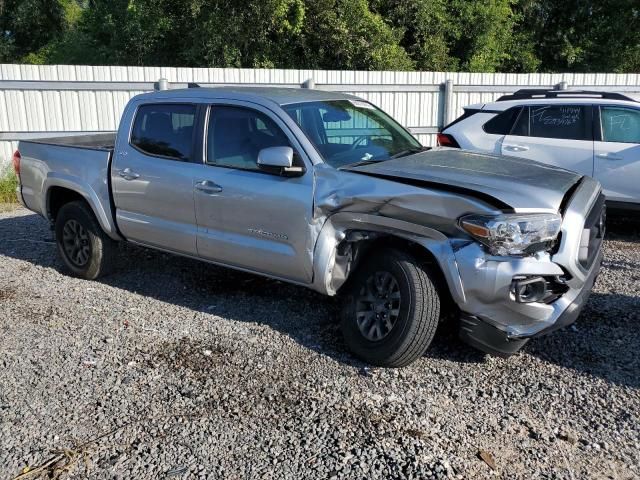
<point x="350" y="208"/>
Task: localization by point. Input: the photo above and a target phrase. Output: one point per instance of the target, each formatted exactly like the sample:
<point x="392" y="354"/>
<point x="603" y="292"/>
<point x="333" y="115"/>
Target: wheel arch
<point x="346" y="239"/>
<point x="60" y="192"/>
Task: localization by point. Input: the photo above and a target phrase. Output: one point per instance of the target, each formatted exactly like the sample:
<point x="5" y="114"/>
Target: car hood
<point x="506" y="182"/>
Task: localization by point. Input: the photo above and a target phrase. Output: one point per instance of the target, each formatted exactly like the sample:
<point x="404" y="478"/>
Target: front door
<point x="617" y="154"/>
<point x="559" y="135"/>
<point x="249" y="218"/>
<point x="152" y="178"/>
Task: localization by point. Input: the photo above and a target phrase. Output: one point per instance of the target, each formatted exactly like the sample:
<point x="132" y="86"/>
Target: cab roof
<point x="278" y="95"/>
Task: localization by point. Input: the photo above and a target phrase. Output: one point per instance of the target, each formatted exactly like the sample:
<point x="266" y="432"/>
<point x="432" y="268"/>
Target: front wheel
<point x="85" y="249"/>
<point x="391" y="310"/>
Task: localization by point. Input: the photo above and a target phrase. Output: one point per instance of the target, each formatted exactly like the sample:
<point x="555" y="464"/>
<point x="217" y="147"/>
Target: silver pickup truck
<point x="326" y="191"/>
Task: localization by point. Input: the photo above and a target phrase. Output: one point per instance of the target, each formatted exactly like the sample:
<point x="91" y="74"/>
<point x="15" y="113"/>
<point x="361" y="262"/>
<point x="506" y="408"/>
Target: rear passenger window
<point x="569" y="122"/>
<point x="164" y="130"/>
<point x="236" y="135"/>
<point x="521" y="128"/>
<point x="501" y="124"/>
<point x="620" y="125"/>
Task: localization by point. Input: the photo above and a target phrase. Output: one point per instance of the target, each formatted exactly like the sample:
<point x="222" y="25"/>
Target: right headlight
<point x="513" y="234"/>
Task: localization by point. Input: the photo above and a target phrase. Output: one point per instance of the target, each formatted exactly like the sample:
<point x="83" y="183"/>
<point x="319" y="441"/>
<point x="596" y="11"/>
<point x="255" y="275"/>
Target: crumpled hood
<point x="521" y="184"/>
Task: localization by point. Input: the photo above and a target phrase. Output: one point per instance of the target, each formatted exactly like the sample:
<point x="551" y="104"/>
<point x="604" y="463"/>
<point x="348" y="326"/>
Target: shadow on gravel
<point x="307" y="317"/>
<point x="623" y="227"/>
<point x="604" y="342"/>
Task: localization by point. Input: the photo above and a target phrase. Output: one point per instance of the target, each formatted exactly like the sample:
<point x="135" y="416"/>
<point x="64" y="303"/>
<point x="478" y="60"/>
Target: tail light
<point x="446" y="140"/>
<point x="16" y="162"/>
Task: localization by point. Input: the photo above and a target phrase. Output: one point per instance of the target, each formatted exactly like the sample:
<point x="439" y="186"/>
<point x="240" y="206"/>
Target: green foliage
<point x="441" y="35"/>
<point x="28" y="25"/>
<point x="470" y="35"/>
<point x="347" y="34"/>
<point x="580" y="35"/>
<point x="8" y="185"/>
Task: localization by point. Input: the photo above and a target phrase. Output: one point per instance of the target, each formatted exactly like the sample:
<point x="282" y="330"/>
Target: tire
<point x="86" y="251"/>
<point x="409" y="299"/>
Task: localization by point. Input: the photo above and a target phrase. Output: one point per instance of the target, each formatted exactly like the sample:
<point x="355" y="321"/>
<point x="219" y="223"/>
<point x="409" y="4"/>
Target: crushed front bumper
<point x="493" y="338"/>
<point x="494" y="319"/>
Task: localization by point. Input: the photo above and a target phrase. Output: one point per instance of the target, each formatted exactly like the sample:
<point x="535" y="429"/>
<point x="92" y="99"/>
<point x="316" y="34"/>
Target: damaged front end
<point x="511" y="300"/>
<point x="352" y="210"/>
<point x="503" y="299"/>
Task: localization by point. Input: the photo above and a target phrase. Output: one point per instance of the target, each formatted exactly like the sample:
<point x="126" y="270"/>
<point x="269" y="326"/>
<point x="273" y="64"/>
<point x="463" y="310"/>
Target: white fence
<point x="50" y="100"/>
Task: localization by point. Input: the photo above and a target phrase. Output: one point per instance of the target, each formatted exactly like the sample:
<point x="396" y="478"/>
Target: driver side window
<point x="236" y="135"/>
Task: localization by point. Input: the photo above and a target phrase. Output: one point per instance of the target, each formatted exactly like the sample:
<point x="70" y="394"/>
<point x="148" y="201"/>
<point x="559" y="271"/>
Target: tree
<point x="445" y="35"/>
<point x="471" y="35"/>
<point x="347" y="34"/>
<point x="28" y="25"/>
<point x="232" y="33"/>
<point x="583" y="35"/>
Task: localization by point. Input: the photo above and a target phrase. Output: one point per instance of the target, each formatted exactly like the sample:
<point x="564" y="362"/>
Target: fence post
<point x="447" y="113"/>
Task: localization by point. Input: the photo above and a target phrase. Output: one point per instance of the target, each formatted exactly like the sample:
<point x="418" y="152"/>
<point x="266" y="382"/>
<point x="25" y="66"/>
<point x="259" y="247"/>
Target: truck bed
<point x="77" y="163"/>
<point x="99" y="141"/>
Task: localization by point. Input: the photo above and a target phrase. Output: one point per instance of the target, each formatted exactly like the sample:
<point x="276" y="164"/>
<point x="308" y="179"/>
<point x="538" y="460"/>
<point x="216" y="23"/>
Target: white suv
<point x="593" y="133"/>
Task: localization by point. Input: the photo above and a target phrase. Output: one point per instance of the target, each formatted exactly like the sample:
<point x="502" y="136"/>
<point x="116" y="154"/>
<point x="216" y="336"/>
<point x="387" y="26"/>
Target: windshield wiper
<point x="409" y="151"/>
<point x="361" y="163"/>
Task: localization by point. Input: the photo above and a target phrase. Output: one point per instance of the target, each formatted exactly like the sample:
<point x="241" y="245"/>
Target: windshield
<point x="346" y="132"/>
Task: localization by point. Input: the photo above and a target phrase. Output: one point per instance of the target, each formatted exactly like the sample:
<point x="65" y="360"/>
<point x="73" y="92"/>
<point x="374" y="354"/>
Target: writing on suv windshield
<point x="348" y="132"/>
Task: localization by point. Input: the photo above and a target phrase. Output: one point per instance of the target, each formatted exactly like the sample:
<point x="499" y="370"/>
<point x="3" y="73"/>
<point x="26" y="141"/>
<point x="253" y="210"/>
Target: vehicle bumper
<point x="493" y="319"/>
<point x="499" y="339"/>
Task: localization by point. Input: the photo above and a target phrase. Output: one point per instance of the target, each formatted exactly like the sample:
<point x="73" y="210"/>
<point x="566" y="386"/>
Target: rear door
<point x="248" y="217"/>
<point x="617" y="153"/>
<point x="152" y="177"/>
<point x="560" y="135"/>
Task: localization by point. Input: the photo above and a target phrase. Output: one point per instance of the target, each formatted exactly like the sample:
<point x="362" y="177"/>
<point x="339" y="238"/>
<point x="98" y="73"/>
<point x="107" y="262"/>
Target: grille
<point x="593" y="233"/>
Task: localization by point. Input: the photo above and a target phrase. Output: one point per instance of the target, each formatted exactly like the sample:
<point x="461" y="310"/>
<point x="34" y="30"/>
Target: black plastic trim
<point x="622" y="207"/>
<point x="531" y="93"/>
<point x="112" y="202"/>
<point x="487" y="338"/>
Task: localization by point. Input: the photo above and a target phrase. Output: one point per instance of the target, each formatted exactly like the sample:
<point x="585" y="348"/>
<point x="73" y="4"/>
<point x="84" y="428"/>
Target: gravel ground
<point x="172" y="368"/>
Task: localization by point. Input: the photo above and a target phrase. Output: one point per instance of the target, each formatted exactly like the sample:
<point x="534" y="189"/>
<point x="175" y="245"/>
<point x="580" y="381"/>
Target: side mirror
<point x="279" y="159"/>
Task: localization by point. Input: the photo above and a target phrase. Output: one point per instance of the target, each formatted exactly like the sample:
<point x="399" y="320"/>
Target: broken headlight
<point x="513" y="234"/>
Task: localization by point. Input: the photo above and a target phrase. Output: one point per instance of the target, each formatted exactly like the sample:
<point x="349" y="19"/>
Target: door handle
<point x="516" y="148"/>
<point x="128" y="174"/>
<point x="208" y="187"/>
<point x="608" y="156"/>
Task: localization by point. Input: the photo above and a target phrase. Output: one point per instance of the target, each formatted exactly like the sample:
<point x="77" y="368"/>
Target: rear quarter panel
<point x="83" y="170"/>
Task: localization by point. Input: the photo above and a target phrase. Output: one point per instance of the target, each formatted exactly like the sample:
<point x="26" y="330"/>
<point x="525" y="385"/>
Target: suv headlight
<point x="513" y="234"/>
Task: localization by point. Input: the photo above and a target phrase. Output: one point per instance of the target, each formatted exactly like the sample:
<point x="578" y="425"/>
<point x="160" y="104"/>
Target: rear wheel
<point x="391" y="310"/>
<point x="85" y="249"/>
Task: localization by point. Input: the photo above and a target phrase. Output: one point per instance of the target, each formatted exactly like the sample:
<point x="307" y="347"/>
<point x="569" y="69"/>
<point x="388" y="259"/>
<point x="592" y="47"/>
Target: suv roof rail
<point x="529" y="93"/>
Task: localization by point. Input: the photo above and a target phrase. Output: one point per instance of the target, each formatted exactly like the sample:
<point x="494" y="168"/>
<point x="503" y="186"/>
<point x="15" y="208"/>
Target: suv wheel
<point x="391" y="310"/>
<point x="87" y="252"/>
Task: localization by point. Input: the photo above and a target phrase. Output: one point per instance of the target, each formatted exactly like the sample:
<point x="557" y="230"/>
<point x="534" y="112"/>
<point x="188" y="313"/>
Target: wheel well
<point x="377" y="242"/>
<point x="59" y="196"/>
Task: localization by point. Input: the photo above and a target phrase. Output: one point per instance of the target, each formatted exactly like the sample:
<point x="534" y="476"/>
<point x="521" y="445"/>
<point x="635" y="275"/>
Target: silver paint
<point x="292" y="228"/>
